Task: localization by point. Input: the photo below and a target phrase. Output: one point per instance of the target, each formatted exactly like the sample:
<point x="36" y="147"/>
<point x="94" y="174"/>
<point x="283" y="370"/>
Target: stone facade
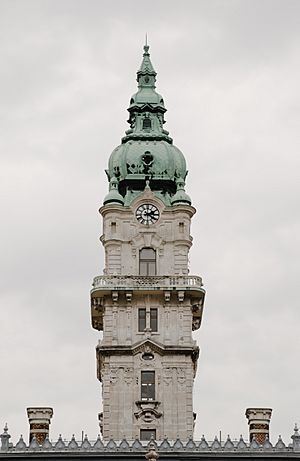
<point x="123" y="237"/>
<point x="125" y="352"/>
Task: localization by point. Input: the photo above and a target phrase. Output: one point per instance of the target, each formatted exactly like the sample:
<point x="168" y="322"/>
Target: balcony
<point x="112" y="285"/>
<point x="107" y="283"/>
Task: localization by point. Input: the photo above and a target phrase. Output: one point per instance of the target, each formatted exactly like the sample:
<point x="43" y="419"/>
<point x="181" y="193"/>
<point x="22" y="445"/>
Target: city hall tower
<point x="146" y="303"/>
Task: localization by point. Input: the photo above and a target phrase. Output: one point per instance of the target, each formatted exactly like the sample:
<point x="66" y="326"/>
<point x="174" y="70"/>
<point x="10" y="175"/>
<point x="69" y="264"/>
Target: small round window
<point x="148" y="356"/>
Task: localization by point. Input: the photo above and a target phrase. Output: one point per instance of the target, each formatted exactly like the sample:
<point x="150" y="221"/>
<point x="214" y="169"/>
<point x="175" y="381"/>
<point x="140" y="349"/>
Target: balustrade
<point x="134" y="281"/>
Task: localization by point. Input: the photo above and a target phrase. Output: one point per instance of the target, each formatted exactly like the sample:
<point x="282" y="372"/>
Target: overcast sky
<point x="229" y="74"/>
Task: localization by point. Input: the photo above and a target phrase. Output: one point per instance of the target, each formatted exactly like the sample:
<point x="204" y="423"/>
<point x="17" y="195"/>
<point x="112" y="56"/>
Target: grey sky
<point x="229" y="74"/>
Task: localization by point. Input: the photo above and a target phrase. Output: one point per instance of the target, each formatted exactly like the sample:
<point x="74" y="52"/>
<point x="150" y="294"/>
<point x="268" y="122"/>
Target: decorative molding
<point x="147" y="410"/>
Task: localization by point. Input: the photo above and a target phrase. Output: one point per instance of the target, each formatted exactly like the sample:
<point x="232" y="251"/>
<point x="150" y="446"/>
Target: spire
<point x="147" y="109"/>
<point x="147" y="152"/>
<point x="146" y="73"/>
<point x="146" y="78"/>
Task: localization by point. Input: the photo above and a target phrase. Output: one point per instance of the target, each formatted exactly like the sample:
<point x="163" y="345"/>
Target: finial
<point x="296" y="438"/>
<point x="151" y="455"/>
<point x="146" y="46"/>
<point x="5" y="439"/>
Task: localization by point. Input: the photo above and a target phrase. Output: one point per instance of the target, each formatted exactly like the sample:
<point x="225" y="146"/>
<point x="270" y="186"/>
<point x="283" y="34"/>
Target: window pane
<point x="147" y="261"/>
<point x="147" y="434"/>
<point x="147" y="392"/>
<point x="147" y="253"/>
<point x="142" y="319"/>
<point x="143" y="268"/>
<point x="153" y="319"/>
<point x="148" y="377"/>
<point x="151" y="268"/>
<point x="147" y="385"/>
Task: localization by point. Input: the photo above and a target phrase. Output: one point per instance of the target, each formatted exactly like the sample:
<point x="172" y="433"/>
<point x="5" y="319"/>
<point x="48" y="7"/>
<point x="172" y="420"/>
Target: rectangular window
<point x="142" y="319"/>
<point x="147" y="434"/>
<point x="153" y="319"/>
<point x="147" y="385"/>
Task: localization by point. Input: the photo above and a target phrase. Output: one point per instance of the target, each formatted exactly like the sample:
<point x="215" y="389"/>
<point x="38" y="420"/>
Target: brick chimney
<point x="259" y="423"/>
<point x="39" y="422"/>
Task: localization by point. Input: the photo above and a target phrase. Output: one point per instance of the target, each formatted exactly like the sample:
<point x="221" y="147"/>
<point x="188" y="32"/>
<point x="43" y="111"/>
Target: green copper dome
<point x="147" y="152"/>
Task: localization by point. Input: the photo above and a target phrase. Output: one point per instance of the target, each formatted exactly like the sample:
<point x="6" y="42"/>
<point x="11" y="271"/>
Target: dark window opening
<point x="146" y="124"/>
<point x="147" y="261"/>
<point x="147" y="356"/>
<point x="142" y="319"/>
<point x="147" y="434"/>
<point x="147" y="385"/>
<point x="147" y="158"/>
<point x="153" y="319"/>
<point x="164" y="185"/>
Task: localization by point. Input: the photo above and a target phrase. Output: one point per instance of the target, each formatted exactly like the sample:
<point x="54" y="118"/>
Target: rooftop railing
<point x="196" y="449"/>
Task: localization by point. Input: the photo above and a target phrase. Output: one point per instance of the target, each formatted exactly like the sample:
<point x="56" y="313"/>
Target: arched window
<point x="146" y="124"/>
<point x="147" y="261"/>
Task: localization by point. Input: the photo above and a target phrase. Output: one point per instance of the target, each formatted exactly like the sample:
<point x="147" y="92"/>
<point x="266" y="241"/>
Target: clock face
<point x="147" y="214"/>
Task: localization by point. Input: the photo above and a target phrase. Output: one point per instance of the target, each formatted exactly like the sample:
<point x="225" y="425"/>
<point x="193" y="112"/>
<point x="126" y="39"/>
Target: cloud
<point x="229" y="73"/>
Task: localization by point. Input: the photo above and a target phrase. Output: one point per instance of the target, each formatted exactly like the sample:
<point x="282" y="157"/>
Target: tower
<point x="146" y="303"/>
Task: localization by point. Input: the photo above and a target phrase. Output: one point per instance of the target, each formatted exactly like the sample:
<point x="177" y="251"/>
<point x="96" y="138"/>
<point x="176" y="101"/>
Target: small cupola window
<point x="146" y="123"/>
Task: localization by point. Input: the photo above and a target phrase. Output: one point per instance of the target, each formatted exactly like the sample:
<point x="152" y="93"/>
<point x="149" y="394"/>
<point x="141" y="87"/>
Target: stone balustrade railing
<point x="165" y="282"/>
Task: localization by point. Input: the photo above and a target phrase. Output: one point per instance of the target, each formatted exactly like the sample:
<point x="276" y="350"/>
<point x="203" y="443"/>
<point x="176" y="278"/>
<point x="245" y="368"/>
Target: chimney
<point x="259" y="423"/>
<point x="39" y="422"/>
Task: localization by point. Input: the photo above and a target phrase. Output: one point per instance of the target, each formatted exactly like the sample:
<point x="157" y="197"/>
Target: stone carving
<point x="113" y="375"/>
<point x="180" y="296"/>
<point x="167" y="296"/>
<point x="128" y="375"/>
<point x="181" y="378"/>
<point x="115" y="296"/>
<point x="197" y="314"/>
<point x="167" y="375"/>
<point x="147" y="346"/>
<point x="147" y="410"/>
<point x="195" y="323"/>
